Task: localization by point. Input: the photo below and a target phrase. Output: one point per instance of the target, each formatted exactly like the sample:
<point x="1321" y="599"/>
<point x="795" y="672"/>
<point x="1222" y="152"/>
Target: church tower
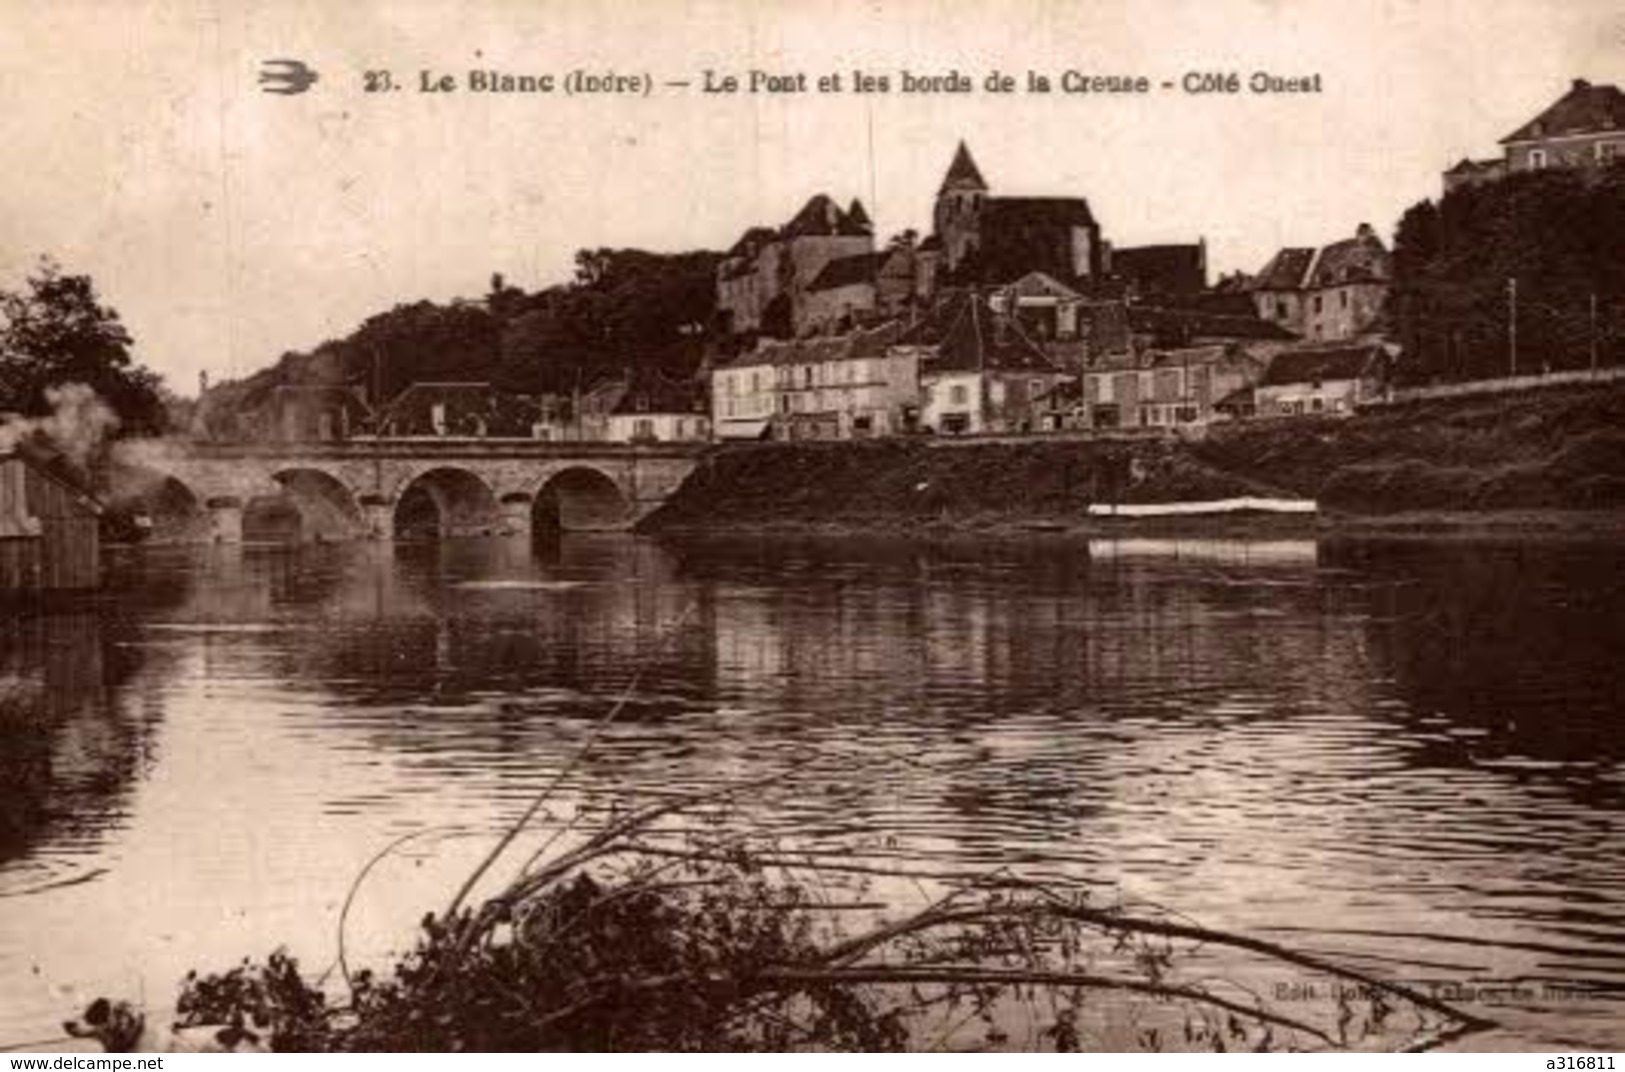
<point x="958" y="215"/>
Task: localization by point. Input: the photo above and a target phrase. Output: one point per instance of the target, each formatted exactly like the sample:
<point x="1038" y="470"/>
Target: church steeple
<point x="963" y="174"/>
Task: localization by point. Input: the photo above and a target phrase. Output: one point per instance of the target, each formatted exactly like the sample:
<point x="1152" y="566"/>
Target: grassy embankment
<point x="1552" y="460"/>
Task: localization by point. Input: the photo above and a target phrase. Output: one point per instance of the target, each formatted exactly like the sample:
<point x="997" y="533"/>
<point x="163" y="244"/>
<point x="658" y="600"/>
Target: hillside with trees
<point x="1556" y="234"/>
<point x="626" y="309"/>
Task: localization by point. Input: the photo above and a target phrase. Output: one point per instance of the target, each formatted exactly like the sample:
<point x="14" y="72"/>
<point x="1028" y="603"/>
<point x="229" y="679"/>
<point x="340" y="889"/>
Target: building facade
<point x="765" y="283"/>
<point x="980" y="373"/>
<point x="1327" y="294"/>
<point x="1584" y="130"/>
<point x="1330" y="380"/>
<point x="850" y="386"/>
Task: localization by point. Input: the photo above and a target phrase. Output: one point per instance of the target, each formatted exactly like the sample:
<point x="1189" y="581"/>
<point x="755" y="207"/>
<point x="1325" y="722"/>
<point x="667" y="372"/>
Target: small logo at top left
<point x="286" y="77"/>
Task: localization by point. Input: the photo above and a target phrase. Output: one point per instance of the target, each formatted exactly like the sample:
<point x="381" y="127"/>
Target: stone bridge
<point x="415" y="488"/>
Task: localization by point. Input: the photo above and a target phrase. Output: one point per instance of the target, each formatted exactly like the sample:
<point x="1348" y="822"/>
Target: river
<point x="1408" y="755"/>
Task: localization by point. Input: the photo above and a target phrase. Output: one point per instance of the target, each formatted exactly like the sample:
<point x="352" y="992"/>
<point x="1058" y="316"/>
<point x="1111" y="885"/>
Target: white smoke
<point x="78" y="424"/>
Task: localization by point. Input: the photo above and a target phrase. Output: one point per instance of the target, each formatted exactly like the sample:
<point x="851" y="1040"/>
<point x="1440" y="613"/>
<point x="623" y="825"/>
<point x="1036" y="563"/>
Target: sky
<point x="228" y="225"/>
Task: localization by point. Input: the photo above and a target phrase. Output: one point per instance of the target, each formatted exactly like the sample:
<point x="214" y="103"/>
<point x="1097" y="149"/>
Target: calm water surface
<point x="1410" y="756"/>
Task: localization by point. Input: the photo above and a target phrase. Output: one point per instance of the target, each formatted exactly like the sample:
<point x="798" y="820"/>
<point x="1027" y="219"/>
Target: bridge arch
<point x="580" y="498"/>
<point x="327" y="508"/>
<point x="444" y="502"/>
<point x="173" y="508"/>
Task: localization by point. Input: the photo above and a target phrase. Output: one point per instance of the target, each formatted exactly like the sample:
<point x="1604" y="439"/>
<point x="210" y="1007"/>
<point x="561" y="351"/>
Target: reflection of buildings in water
<point x="69" y="744"/>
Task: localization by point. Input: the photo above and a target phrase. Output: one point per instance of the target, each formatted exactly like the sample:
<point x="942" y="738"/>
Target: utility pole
<point x="1512" y="322"/>
<point x="1593" y="331"/>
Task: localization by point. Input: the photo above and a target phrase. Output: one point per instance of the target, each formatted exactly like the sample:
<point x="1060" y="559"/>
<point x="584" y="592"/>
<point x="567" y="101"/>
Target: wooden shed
<point x="48" y="530"/>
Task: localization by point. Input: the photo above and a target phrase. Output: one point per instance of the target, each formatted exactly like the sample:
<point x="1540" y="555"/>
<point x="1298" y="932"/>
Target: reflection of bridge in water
<point x="387" y="488"/>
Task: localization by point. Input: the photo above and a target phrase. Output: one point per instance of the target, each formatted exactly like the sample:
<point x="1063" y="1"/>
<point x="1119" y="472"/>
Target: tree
<point x="1555" y="233"/>
<point x="56" y="332"/>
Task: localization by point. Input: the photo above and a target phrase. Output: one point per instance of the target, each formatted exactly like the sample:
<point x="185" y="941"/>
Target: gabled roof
<point x="1320" y="364"/>
<point x="1362" y="258"/>
<point x="1285" y="270"/>
<point x="963" y="172"/>
<point x="1584" y="109"/>
<point x="821" y="216"/>
<point x="1466" y="166"/>
<point x="847" y="271"/>
<point x="1042" y="284"/>
<point x="968" y="336"/>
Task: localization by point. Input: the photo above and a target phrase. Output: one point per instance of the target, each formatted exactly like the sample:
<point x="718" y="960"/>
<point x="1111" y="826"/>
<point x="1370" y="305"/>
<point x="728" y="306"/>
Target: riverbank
<point x="1541" y="464"/>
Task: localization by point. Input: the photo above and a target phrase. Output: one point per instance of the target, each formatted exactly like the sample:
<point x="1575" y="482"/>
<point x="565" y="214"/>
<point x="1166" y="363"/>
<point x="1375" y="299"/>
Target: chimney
<point x="1364" y="231"/>
<point x="1579" y="84"/>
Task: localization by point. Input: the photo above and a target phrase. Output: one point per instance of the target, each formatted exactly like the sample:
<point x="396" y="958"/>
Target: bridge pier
<point x="516" y="515"/>
<point x="225" y="519"/>
<point x="378" y="515"/>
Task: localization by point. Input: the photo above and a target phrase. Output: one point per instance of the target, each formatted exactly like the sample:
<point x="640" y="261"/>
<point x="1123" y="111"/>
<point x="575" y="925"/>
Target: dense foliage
<point x="54" y="332"/>
<point x="1556" y="233"/>
<point x="626" y="309"/>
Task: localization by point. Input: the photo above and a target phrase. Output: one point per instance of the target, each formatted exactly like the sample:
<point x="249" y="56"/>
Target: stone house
<point x="763" y="283"/>
<point x="656" y="409"/>
<point x="980" y="373"/>
<point x="1584" y="129"/>
<point x="850" y="386"/>
<point x="1322" y="379"/>
<point x="1165" y="388"/>
<point x="1327" y="294"/>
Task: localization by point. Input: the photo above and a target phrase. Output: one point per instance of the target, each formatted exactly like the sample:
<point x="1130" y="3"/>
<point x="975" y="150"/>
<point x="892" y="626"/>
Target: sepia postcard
<point x="752" y="525"/>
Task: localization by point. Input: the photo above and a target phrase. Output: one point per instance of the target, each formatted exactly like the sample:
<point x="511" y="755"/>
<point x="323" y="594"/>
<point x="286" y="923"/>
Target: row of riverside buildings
<point x="1015" y="315"/>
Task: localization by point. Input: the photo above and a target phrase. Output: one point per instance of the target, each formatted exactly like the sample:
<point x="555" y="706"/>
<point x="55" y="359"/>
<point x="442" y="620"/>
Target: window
<point x="1537" y="159"/>
<point x="1606" y="151"/>
<point x="1317" y="303"/>
<point x="1343" y="298"/>
<point x="1035" y="388"/>
<point x="1280" y="310"/>
<point x="643" y="428"/>
<point x="957" y="394"/>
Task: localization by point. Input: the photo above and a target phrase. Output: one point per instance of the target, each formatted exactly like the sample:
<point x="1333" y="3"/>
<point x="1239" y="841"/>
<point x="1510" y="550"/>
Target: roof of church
<point x="1584" y="109"/>
<point x="963" y="171"/>
<point x="1030" y="211"/>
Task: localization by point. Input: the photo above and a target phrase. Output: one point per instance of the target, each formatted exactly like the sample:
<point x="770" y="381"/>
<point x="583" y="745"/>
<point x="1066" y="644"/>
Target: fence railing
<point x="1503" y="385"/>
